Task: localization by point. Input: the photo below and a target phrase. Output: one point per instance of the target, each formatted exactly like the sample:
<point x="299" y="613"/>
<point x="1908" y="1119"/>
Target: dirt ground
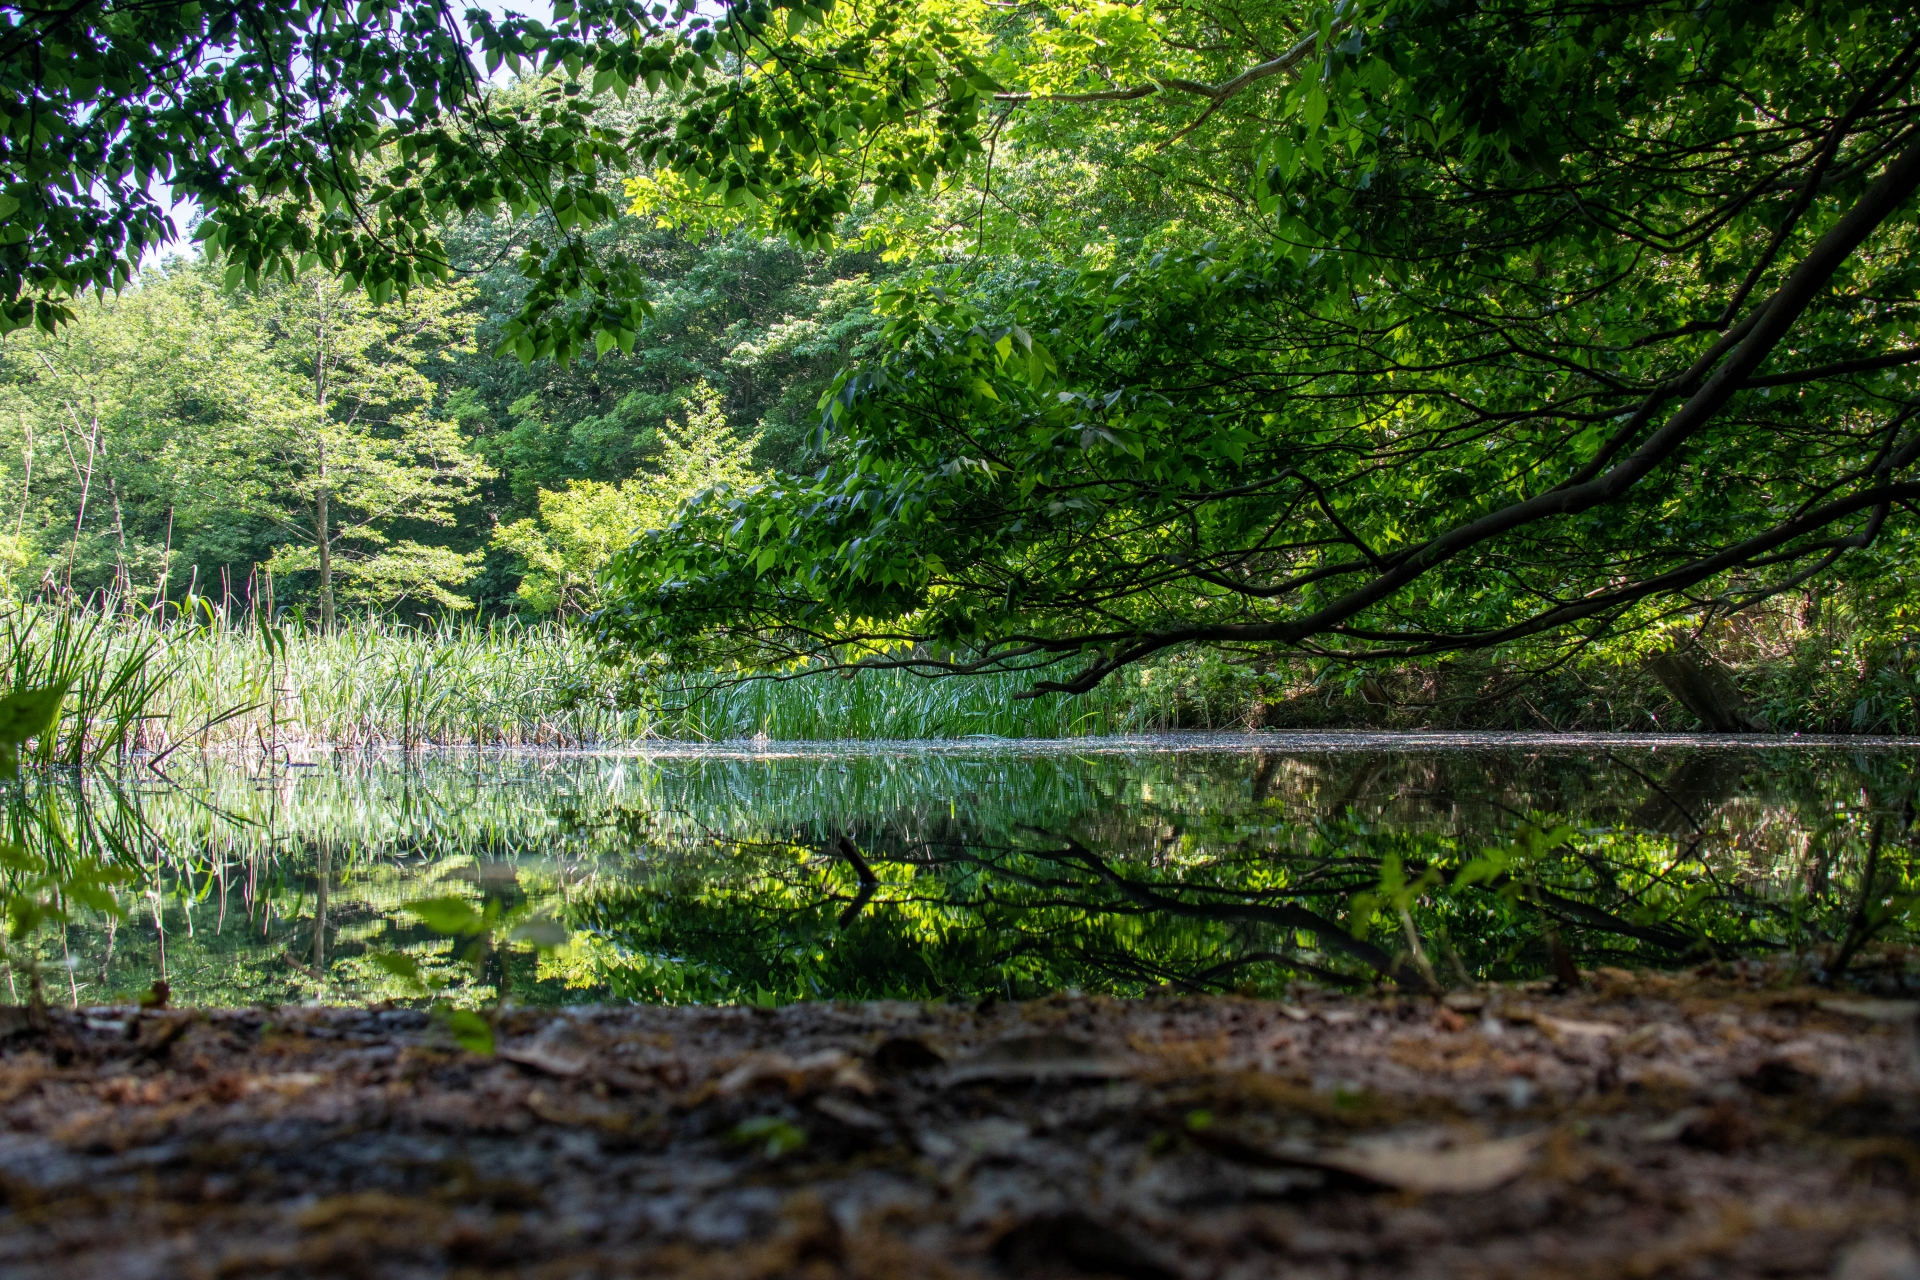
<point x="1645" y="1127"/>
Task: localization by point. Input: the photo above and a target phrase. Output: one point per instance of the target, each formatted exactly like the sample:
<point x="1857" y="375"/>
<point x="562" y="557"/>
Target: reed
<point x="111" y="675"/>
<point x="202" y="677"/>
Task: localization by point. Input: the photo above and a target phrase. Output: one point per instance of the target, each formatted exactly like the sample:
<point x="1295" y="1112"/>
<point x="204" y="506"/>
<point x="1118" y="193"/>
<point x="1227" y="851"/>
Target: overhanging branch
<point x="1214" y="93"/>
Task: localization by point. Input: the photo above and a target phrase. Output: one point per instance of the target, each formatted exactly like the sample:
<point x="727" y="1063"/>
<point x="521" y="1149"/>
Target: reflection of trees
<point x="1213" y="894"/>
<point x="710" y="878"/>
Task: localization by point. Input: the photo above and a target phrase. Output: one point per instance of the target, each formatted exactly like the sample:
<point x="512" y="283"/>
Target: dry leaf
<point x="828" y="1068"/>
<point x="1875" y="1010"/>
<point x="559" y="1050"/>
<point x="1572" y="1029"/>
<point x="1422" y="1164"/>
<point x="287" y="1083"/>
<point x="851" y="1114"/>
<point x="1037" y="1057"/>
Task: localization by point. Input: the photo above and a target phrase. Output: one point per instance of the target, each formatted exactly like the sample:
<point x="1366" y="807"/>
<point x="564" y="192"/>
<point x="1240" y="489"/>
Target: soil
<point x="1646" y="1126"/>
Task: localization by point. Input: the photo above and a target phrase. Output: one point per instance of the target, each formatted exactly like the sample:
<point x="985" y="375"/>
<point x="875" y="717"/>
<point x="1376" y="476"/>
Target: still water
<point x="960" y="871"/>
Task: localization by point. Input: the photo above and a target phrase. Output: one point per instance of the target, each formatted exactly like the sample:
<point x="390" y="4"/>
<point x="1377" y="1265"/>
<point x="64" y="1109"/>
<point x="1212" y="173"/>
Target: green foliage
<point x="96" y="685"/>
<point x="341" y="138"/>
<point x="350" y="445"/>
<point x="580" y="528"/>
<point x="1332" y="436"/>
<point x="169" y="441"/>
<point x="66" y="852"/>
<point x="776" y="1137"/>
<point x="26" y="714"/>
<point x="1189" y="357"/>
<point x="280" y="431"/>
<point x="477" y="935"/>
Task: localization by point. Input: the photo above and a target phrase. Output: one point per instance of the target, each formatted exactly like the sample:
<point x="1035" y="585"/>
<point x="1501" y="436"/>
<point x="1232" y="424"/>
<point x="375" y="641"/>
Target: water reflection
<point x="717" y="876"/>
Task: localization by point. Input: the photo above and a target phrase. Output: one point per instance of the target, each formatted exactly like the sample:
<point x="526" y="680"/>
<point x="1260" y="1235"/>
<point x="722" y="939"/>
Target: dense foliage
<point x="1384" y="330"/>
<point x="1560" y="320"/>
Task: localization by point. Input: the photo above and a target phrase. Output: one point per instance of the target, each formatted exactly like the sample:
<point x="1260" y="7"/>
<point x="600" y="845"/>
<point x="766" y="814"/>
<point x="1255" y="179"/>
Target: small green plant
<point x="58" y="856"/>
<point x="779" y="1136"/>
<point x="26" y="714"/>
<point x="476" y="935"/>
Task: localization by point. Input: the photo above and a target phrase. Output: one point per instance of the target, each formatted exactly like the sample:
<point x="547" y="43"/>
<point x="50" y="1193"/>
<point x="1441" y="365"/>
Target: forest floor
<point x="1648" y="1126"/>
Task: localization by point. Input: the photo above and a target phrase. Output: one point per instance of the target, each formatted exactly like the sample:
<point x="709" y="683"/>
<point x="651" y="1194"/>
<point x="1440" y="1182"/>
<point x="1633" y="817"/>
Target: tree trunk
<point x="323" y="538"/>
<point x="1704" y="686"/>
<point x="323" y="534"/>
<point x="122" y="575"/>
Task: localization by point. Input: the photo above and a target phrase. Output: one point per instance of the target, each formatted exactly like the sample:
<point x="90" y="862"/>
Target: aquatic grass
<point x="111" y="676"/>
<point x="202" y="678"/>
<point x="161" y="679"/>
<point x="892" y="705"/>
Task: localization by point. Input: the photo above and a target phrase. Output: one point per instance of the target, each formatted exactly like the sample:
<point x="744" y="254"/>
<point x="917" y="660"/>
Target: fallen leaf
<point x="828" y="1068"/>
<point x="558" y="1050"/>
<point x="851" y="1114"/>
<point x="1038" y="1057"/>
<point x="1670" y="1129"/>
<point x="287" y="1083"/>
<point x="1573" y="1029"/>
<point x="1875" y="1010"/>
<point x="377" y="1205"/>
<point x="1422" y="1164"/>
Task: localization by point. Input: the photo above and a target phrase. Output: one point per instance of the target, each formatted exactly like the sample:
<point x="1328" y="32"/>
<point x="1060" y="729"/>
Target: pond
<point x="775" y="873"/>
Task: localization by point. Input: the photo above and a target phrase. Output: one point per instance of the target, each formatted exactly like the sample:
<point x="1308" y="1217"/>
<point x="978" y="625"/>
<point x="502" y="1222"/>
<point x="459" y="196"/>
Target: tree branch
<point x="1216" y="93"/>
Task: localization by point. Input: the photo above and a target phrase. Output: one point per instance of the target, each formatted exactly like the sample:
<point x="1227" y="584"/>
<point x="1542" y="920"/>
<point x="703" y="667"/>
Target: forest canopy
<point x="1387" y="329"/>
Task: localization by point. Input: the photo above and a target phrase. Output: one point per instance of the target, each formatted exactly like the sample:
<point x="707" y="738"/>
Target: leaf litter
<point x="1646" y="1126"/>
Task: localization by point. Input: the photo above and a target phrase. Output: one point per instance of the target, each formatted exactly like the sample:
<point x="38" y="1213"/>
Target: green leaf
<point x="453" y="917"/>
<point x="27" y="713"/>
<point x="780" y="1136"/>
<point x="400" y="965"/>
<point x="470" y="1031"/>
<point x="541" y="931"/>
<point x="1314" y="110"/>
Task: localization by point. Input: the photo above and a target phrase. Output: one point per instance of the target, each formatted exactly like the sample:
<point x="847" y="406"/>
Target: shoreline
<point x="1329" y="741"/>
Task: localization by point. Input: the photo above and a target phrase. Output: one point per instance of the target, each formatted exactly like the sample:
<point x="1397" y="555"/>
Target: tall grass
<point x="203" y="678"/>
<point x="111" y="677"/>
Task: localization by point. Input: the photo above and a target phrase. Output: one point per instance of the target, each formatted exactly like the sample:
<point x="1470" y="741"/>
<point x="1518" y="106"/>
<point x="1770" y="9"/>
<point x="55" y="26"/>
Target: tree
<point x="347" y="442"/>
<point x="1664" y="373"/>
<point x="115" y="428"/>
<point x="1570" y="321"/>
<point x="178" y="423"/>
<point x="344" y="137"/>
<point x="567" y="549"/>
